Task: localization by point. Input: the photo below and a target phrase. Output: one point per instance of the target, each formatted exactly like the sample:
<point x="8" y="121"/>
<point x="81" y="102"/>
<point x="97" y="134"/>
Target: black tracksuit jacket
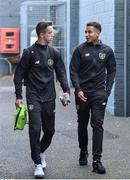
<point x="92" y="68"/>
<point x="36" y="67"/>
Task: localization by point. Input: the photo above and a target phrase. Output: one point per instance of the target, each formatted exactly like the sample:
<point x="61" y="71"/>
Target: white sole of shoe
<point x="39" y="176"/>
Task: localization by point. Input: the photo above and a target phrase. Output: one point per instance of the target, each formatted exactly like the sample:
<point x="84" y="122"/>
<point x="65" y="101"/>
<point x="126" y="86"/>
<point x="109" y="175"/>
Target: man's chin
<point x="50" y="41"/>
<point x="88" y="40"/>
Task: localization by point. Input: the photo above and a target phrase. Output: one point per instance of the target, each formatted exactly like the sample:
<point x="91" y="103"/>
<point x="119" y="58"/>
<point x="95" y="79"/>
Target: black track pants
<point x="41" y="116"/>
<point x="93" y="108"/>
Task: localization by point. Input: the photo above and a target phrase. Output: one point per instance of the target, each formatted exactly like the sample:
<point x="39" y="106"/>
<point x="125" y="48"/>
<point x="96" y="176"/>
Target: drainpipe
<point x="125" y="57"/>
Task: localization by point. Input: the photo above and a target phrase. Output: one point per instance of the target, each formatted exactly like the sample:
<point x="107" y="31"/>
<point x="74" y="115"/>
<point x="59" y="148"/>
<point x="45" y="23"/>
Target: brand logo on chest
<point x="37" y="62"/>
<point x="102" y="56"/>
<point x="50" y="62"/>
<point x="87" y="54"/>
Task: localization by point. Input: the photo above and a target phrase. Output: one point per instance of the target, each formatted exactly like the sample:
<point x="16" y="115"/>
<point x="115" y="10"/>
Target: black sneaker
<point x="98" y="167"/>
<point x="83" y="158"/>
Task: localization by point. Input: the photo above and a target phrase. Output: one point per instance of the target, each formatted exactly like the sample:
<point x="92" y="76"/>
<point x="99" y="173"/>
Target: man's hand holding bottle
<point x="65" y="99"/>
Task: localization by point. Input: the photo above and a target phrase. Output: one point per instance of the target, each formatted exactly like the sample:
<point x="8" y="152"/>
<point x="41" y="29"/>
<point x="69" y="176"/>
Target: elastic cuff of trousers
<point x="37" y="162"/>
<point x="96" y="158"/>
<point x="67" y="91"/>
<point x="19" y="96"/>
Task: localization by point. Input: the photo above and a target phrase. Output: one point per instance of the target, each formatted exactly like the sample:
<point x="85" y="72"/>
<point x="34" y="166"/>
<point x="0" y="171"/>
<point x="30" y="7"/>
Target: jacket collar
<point x="91" y="44"/>
<point x="41" y="45"/>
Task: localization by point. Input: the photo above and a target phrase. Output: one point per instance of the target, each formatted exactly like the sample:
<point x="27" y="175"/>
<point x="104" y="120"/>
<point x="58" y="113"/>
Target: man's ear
<point x="41" y="35"/>
<point x="97" y="32"/>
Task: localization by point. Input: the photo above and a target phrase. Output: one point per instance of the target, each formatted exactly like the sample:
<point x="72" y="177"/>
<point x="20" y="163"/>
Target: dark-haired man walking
<point x="92" y="71"/>
<point x="36" y="67"/>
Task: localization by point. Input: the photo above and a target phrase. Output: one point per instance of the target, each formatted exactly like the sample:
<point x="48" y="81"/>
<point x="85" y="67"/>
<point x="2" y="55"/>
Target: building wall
<point x="103" y="12"/>
<point x="128" y="59"/>
<point x="74" y="24"/>
<point x="9" y="13"/>
<point x="119" y="51"/>
<point x="9" y="17"/>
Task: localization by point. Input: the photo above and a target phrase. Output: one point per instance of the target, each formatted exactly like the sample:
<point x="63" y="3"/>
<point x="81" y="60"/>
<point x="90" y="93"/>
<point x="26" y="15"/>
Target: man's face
<point x="48" y="35"/>
<point x="92" y="34"/>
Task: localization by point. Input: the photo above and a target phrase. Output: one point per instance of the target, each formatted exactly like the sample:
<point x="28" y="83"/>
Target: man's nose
<point x="86" y="34"/>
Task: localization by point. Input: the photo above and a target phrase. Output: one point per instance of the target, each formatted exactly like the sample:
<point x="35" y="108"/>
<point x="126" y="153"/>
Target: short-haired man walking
<point x="92" y="71"/>
<point x="36" y="67"/>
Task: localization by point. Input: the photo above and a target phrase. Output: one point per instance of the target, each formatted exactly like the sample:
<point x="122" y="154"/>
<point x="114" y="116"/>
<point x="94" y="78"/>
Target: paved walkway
<point x="62" y="155"/>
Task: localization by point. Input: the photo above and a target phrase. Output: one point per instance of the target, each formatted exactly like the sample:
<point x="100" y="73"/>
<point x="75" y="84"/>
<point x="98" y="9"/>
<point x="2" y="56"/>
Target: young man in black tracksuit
<point x="36" y="67"/>
<point x="92" y="71"/>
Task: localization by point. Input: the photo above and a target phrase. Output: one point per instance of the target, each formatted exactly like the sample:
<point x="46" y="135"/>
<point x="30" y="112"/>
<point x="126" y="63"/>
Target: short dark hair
<point x="42" y="27"/>
<point x="95" y="24"/>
